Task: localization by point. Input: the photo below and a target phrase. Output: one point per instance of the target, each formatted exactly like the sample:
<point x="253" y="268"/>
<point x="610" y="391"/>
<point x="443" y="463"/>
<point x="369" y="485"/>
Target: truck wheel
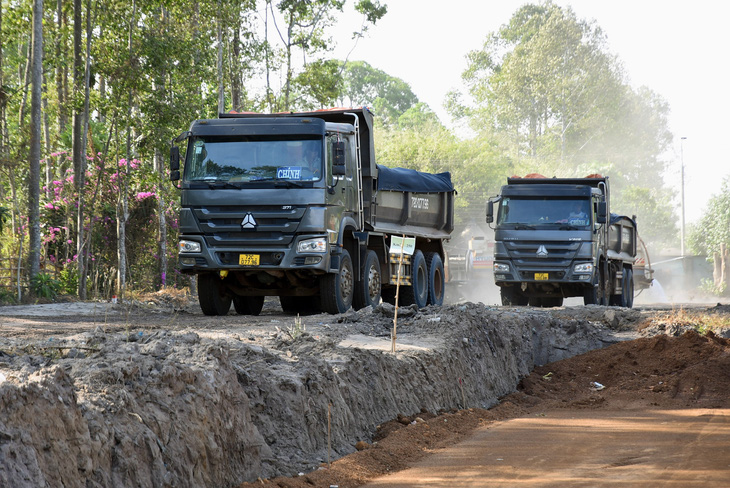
<point x="212" y="299"/>
<point x="418" y="291"/>
<point x="596" y="294"/>
<point x="606" y="288"/>
<point x="248" y="305"/>
<point x="435" y="278"/>
<point x="511" y="297"/>
<point x="336" y="290"/>
<point x="627" y="296"/>
<point x="367" y="291"/>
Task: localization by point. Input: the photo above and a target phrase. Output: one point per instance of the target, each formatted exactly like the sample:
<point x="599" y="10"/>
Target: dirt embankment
<point x="128" y="397"/>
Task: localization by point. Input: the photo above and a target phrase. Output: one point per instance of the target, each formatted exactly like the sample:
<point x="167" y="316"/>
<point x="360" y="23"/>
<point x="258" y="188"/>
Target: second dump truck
<point x="556" y="238"/>
<point x="294" y="205"/>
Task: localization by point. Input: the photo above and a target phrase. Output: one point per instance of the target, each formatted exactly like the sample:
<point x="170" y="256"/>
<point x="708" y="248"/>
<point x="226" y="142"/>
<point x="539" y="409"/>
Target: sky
<point x="677" y="49"/>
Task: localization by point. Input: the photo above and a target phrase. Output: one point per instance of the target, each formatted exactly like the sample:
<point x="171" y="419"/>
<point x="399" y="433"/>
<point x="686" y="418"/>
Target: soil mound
<point x="688" y="371"/>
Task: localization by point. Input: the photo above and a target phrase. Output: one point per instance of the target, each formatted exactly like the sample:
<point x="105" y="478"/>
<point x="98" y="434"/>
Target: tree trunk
<point x="82" y="237"/>
<point x="236" y="70"/>
<point x="721" y="268"/>
<point x="221" y="93"/>
<point x="34" y="250"/>
<point x="123" y="201"/>
<point x="60" y="71"/>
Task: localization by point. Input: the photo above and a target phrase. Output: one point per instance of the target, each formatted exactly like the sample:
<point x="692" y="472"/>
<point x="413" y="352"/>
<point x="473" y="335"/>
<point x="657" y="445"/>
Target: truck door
<point x="346" y="188"/>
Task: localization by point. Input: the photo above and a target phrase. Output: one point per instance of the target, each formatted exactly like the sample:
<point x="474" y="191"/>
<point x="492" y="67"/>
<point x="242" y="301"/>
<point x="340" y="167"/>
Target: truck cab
<point x="294" y="205"/>
<point x="553" y="240"/>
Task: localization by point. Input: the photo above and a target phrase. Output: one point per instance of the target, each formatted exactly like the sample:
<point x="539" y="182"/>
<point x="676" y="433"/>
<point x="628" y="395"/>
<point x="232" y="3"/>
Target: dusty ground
<point x="667" y="381"/>
<point x="153" y="393"/>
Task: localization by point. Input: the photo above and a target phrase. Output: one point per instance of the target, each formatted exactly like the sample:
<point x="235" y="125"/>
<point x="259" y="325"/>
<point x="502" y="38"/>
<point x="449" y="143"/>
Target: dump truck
<point x="294" y="205"/>
<point x="556" y="238"/>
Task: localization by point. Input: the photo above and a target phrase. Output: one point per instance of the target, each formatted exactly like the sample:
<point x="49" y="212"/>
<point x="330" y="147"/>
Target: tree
<point x="36" y="53"/>
<point x="711" y="236"/>
<point x="547" y="92"/>
<point x="364" y="85"/>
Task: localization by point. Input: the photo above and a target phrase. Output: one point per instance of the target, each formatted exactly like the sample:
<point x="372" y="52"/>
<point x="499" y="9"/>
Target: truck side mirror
<point x="602" y="214"/>
<point x="490" y="211"/>
<point x="338" y="152"/>
<point x="174" y="163"/>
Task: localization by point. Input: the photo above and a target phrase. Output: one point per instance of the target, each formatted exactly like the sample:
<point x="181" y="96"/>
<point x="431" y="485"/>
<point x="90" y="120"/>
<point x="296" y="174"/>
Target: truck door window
<point x="349" y="156"/>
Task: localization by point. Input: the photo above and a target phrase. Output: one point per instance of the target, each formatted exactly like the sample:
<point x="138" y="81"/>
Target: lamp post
<point x="681" y="156"/>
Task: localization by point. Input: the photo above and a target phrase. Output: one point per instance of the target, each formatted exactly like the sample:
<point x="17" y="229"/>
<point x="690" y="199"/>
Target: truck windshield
<point x="241" y="160"/>
<point x="544" y="212"/>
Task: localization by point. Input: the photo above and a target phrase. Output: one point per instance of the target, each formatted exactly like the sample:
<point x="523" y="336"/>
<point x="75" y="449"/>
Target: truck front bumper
<point x="506" y="273"/>
<point x="307" y="252"/>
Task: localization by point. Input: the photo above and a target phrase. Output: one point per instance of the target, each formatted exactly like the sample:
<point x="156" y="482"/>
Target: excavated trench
<point x="183" y="404"/>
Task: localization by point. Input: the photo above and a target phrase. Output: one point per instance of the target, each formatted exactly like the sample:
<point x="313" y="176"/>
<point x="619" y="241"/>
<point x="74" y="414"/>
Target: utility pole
<point x="681" y="156"/>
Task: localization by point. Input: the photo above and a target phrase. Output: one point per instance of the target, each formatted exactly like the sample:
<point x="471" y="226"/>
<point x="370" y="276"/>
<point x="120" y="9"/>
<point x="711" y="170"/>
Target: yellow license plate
<point x="541" y="276"/>
<point x="248" y="259"/>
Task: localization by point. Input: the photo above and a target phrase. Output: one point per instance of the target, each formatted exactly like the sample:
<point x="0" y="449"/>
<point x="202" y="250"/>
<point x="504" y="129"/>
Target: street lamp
<point x="681" y="156"/>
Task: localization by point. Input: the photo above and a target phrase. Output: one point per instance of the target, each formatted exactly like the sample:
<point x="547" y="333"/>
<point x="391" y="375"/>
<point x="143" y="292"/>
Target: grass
<point x="701" y="321"/>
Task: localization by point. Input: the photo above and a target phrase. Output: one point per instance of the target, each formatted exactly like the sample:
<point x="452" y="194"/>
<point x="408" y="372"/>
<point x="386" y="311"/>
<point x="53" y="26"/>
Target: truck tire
<point x="248" y="305"/>
<point x="435" y="278"/>
<point x="367" y="291"/>
<point x="627" y="286"/>
<point x="212" y="299"/>
<point x="418" y="291"/>
<point x="596" y="295"/>
<point x="512" y="297"/>
<point x="336" y="290"/>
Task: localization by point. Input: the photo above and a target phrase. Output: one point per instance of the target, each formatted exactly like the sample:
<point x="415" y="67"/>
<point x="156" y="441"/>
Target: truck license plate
<point x="541" y="276"/>
<point x="248" y="259"/>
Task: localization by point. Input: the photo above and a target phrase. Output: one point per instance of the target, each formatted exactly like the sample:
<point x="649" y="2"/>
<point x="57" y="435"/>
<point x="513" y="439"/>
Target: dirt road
<point x="567" y="448"/>
<point x="641" y="412"/>
<point x="651" y="412"/>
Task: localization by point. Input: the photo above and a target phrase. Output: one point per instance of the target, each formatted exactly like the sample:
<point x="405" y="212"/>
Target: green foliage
<point x="69" y="280"/>
<point x="4" y="215"/>
<point x="319" y="85"/>
<point x="43" y="285"/>
<point x="551" y="97"/>
<point x="389" y="96"/>
<point x="7" y="297"/>
<point x="713" y="229"/>
<point x="654" y="206"/>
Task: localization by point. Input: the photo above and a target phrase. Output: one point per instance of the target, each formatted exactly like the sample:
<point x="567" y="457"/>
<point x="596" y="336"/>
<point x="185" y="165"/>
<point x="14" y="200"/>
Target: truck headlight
<point x="501" y="268"/>
<point x="583" y="268"/>
<point x="318" y="244"/>
<point x="188" y="246"/>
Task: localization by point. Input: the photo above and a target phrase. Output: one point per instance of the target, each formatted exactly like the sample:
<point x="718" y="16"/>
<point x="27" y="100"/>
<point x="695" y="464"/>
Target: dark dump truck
<point x="556" y="238"/>
<point x="294" y="205"/>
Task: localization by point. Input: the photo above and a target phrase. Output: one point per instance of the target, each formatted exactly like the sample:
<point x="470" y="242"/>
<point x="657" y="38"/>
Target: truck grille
<point x="270" y="225"/>
<point x="525" y="254"/>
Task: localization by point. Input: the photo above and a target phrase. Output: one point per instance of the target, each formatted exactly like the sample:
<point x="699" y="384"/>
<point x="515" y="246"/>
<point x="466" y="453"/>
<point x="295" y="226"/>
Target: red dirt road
<point x="652" y="448"/>
<point x="662" y="419"/>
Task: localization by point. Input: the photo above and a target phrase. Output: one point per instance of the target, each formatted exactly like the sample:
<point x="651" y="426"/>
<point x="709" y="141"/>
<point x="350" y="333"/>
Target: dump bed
<point x="622" y="238"/>
<point x="413" y="203"/>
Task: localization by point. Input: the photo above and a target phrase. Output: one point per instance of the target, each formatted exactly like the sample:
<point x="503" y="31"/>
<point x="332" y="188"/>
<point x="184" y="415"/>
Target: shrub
<point x="43" y="285"/>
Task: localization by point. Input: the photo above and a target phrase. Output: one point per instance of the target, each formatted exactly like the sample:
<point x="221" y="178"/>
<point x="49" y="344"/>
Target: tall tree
<point x="546" y="89"/>
<point x="36" y="51"/>
<point x="388" y="95"/>
<point x="710" y="237"/>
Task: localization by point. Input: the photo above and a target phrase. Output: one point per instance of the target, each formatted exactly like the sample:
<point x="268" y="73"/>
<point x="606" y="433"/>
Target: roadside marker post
<point x="402" y="245"/>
